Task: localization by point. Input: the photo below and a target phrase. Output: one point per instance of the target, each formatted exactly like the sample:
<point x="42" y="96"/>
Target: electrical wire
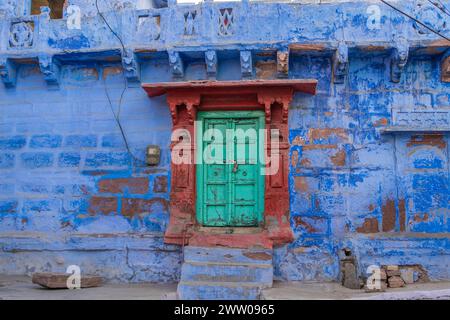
<point x="416" y="20"/>
<point x="438" y="4"/>
<point x="117" y="115"/>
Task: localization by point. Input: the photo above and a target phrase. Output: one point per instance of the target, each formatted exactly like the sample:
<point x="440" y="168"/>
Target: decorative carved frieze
<point x="433" y="119"/>
<point x="131" y="66"/>
<point x="340" y="63"/>
<point x="50" y="67"/>
<point x="226" y="22"/>
<point x="246" y="64"/>
<point x="8" y="72"/>
<point x="190" y="23"/>
<point x="211" y="63"/>
<point x="176" y="64"/>
<point x="399" y="59"/>
<point x="21" y="34"/>
<point x="149" y="26"/>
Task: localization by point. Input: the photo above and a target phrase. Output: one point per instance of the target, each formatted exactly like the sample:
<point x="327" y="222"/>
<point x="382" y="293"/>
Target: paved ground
<point x="334" y="291"/>
<point x="21" y="288"/>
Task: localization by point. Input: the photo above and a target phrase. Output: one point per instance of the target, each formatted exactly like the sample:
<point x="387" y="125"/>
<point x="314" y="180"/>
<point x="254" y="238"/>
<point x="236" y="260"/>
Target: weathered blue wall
<point x="71" y="194"/>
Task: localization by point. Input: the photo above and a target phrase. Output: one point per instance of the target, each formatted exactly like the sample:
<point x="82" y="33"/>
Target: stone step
<point x="200" y="271"/>
<point x="228" y="255"/>
<point x="206" y="290"/>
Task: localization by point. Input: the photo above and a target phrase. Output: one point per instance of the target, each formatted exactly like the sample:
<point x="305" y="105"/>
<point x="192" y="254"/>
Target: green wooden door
<point x="230" y="179"/>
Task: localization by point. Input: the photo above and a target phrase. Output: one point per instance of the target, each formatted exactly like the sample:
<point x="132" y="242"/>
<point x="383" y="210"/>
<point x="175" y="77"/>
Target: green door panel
<point x="230" y="183"/>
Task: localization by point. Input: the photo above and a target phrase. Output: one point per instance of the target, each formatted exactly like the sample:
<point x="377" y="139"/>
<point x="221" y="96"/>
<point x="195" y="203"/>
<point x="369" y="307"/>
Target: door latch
<point x="235" y="168"/>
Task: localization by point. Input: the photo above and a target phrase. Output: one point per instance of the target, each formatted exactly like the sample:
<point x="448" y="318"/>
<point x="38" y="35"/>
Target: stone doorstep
<point x="228" y="284"/>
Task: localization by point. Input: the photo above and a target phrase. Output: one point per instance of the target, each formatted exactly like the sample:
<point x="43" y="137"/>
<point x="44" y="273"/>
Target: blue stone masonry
<point x="369" y="166"/>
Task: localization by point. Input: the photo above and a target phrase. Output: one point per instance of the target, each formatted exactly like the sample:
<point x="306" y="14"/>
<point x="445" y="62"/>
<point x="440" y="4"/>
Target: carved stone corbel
<point x="340" y="63"/>
<point x="211" y="63"/>
<point x="246" y="64"/>
<point x="51" y="69"/>
<point x="190" y="102"/>
<point x="399" y="59"/>
<point x="176" y="64"/>
<point x="283" y="64"/>
<point x="8" y="72"/>
<point x="131" y="66"/>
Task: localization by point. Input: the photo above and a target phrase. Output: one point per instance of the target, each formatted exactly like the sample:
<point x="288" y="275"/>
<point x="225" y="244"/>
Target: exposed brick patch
<point x="124" y="185"/>
<point x="308" y="227"/>
<point x="325" y="133"/>
<point x="103" y="205"/>
<point x="435" y="140"/>
<point x="370" y="225"/>
<point x="402" y="215"/>
<point x="388" y="209"/>
<point x="301" y="184"/>
<point x="160" y="184"/>
<point x="305" y="162"/>
<point x="132" y="207"/>
<point x="294" y="158"/>
<point x="339" y="158"/>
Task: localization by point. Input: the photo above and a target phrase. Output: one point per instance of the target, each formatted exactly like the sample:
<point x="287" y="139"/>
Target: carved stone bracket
<point x="340" y="63"/>
<point x="176" y="101"/>
<point x="283" y="63"/>
<point x="131" y="66"/>
<point x="211" y="63"/>
<point x="283" y="99"/>
<point x="8" y="72"/>
<point x="176" y="64"/>
<point x="51" y="69"/>
<point x="399" y="59"/>
<point x="246" y="64"/>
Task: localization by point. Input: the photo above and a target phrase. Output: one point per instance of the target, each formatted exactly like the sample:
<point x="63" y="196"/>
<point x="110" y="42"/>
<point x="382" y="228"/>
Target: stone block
<point x="81" y="141"/>
<point x="103" y="205"/>
<point x="393" y="273"/>
<point x="12" y="143"/>
<point x="107" y="159"/>
<point x="69" y="159"/>
<point x="45" y="141"/>
<point x="8" y="206"/>
<point x="6" y="160"/>
<point x="139" y="185"/>
<point x="396" y="282"/>
<point x="350" y="279"/>
<point x="52" y="280"/>
<point x="407" y="274"/>
<point x="34" y="160"/>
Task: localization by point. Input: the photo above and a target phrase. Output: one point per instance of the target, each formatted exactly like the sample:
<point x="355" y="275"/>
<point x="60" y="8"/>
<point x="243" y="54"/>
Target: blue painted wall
<point x="70" y="193"/>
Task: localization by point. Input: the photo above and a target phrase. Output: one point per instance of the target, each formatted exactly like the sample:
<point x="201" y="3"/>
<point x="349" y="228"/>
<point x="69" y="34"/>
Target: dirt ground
<point x="21" y="287"/>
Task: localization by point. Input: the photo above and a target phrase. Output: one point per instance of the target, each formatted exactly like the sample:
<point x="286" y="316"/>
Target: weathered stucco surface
<point x="366" y="173"/>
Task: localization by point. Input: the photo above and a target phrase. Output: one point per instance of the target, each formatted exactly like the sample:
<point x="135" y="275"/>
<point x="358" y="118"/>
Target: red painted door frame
<point x="271" y="96"/>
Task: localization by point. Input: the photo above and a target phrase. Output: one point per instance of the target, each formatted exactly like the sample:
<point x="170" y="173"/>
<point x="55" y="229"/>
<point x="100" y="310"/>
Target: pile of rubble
<point x="394" y="276"/>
